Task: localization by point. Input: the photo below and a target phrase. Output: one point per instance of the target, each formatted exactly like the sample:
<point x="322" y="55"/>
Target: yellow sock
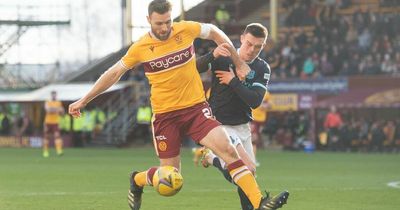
<point x="242" y="176"/>
<point x="59" y="145"/>
<point x="145" y="177"/>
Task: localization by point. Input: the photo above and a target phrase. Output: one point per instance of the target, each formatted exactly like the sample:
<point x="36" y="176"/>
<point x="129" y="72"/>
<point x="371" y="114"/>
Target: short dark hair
<point x="159" y="6"/>
<point x="257" y="30"/>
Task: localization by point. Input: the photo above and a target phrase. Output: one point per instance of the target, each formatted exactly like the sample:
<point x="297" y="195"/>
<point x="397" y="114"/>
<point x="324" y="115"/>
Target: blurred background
<point x="335" y="81"/>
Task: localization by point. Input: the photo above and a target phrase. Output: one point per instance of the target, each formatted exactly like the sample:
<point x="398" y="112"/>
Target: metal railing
<point x="124" y="104"/>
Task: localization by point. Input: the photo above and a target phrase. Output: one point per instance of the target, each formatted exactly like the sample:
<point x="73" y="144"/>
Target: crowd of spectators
<point x="362" y="43"/>
<point x="337" y="131"/>
<point x="332" y="44"/>
<point x="353" y="133"/>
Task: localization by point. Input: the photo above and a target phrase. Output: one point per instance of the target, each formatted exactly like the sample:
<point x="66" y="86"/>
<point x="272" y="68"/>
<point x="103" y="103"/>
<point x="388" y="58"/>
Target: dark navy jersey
<point x="231" y="104"/>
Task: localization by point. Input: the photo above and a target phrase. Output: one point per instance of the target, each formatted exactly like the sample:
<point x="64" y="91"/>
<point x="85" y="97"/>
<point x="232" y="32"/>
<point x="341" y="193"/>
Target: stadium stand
<point x="344" y="53"/>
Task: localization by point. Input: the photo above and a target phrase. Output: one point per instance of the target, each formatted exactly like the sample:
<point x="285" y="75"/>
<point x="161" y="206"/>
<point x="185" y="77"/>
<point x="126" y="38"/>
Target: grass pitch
<point x="97" y="179"/>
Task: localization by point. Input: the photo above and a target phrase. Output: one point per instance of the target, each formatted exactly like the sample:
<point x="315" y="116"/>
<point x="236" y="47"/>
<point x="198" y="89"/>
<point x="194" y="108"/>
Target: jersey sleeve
<point x="130" y="59"/>
<point x="263" y="76"/>
<point x="221" y="63"/>
<point x="194" y="28"/>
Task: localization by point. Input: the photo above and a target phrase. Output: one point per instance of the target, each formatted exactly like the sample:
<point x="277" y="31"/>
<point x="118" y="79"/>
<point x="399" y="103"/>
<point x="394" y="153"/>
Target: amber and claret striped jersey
<point x="52" y="118"/>
<point x="260" y="113"/>
<point x="170" y="67"/>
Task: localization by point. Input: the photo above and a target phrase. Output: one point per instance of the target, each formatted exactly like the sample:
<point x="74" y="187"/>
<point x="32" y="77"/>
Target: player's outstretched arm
<point x="219" y="37"/>
<point x="203" y="62"/>
<point x="106" y="80"/>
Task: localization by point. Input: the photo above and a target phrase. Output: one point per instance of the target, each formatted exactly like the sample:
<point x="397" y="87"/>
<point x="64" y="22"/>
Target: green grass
<point x="97" y="179"/>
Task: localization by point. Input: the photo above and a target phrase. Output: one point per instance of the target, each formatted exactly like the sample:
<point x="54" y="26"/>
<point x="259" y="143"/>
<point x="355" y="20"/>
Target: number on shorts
<point x="207" y="112"/>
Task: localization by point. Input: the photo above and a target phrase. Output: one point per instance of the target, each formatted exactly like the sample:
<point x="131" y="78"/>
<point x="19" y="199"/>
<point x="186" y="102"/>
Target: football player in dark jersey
<point x="233" y="96"/>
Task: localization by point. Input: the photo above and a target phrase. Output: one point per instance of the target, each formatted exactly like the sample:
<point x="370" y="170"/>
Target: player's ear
<point x="242" y="39"/>
<point x="148" y="19"/>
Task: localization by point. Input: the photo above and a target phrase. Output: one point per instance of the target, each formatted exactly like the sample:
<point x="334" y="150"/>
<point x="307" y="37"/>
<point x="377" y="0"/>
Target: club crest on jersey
<point x="251" y="74"/>
<point x="178" y="39"/>
<point x="162" y="146"/>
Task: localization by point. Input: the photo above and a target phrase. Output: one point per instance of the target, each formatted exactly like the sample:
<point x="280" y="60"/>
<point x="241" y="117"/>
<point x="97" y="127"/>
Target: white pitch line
<point x="394" y="184"/>
<point x="55" y="193"/>
<point x="59" y="193"/>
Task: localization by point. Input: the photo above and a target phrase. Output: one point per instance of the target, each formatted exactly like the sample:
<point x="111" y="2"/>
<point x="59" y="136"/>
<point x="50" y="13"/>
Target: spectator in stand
<point x="397" y="64"/>
<point x="377" y="137"/>
<point x="6" y="125"/>
<point x="346" y="70"/>
<point x="389" y="130"/>
<point x="222" y="15"/>
<point x="354" y="135"/>
<point x="23" y="125"/>
<point x="326" y="65"/>
<point x="364" y="40"/>
<point x="302" y="131"/>
<point x="397" y="136"/>
<point x="332" y="123"/>
<point x="143" y="120"/>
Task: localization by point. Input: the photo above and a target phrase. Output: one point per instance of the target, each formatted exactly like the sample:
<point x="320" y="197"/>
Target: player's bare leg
<point x="45" y="145"/>
<point x="58" y="143"/>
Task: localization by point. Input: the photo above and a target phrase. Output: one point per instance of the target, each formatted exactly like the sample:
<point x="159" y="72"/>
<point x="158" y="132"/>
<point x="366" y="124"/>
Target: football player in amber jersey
<point x="177" y="98"/>
<point x="53" y="110"/>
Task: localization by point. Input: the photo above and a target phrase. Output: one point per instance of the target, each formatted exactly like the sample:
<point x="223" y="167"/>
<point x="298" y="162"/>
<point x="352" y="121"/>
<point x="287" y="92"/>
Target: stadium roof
<point x="65" y="92"/>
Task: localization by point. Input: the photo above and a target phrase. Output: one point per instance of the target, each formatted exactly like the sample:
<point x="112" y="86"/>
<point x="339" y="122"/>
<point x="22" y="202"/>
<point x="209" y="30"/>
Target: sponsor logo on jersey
<point x="161" y="137"/>
<point x="170" y="61"/>
<point x="267" y="76"/>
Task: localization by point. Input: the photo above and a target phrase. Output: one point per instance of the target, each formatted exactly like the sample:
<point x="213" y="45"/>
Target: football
<point x="167" y="181"/>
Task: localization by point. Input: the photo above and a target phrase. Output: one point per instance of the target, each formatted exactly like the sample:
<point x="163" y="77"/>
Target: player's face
<point x="160" y="24"/>
<point x="251" y="47"/>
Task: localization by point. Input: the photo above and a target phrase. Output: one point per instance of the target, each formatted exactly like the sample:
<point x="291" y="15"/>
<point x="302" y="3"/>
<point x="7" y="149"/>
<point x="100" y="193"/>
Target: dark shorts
<point x="169" y="129"/>
<point x="51" y="128"/>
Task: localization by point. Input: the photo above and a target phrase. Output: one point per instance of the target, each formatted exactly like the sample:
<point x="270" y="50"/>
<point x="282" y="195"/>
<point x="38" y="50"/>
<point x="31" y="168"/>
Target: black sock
<point x="224" y="172"/>
<point x="244" y="200"/>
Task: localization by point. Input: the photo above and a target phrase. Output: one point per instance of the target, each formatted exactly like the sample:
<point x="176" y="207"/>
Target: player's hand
<point x="242" y="73"/>
<point x="74" y="109"/>
<point x="224" y="77"/>
<point x="222" y="50"/>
